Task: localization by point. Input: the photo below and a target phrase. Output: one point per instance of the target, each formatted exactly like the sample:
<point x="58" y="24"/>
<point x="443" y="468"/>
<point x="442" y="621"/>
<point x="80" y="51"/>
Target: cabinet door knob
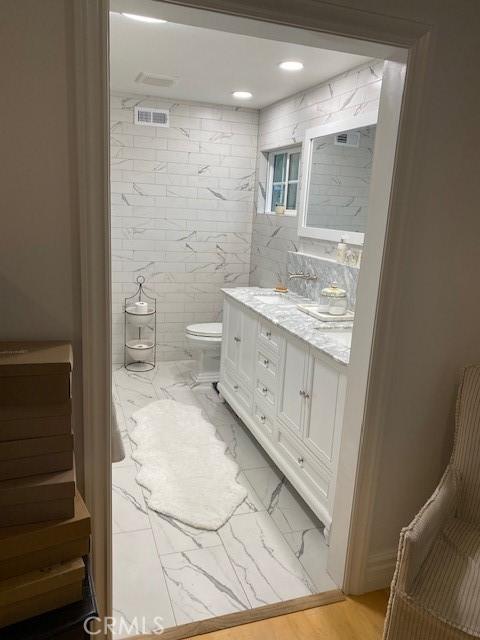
<point x="266" y="362"/>
<point x="306" y="395"/>
<point x="264" y="389"/>
<point x="235" y="386"/>
<point x="268" y="334"/>
<point x="237" y="339"/>
<point x="263" y="418"/>
<point x="300" y="460"/>
<point x="302" y="393"/>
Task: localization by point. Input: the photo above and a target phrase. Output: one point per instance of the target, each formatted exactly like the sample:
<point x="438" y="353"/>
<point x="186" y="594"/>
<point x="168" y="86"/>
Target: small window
<point x="284" y="165"/>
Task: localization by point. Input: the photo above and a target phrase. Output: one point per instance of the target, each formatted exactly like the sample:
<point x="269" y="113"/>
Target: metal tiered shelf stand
<point x="140" y="330"/>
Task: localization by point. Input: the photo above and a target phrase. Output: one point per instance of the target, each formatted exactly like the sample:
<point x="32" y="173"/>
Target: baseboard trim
<point x="380" y="569"/>
<point x="244" y="617"/>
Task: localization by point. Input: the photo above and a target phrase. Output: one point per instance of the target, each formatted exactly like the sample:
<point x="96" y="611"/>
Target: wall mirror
<point x="337" y="166"/>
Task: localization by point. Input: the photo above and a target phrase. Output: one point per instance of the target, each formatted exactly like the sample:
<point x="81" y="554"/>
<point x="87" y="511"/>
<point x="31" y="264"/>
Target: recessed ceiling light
<point x="291" y="65"/>
<point x="242" y="95"/>
<point x="134" y="16"/>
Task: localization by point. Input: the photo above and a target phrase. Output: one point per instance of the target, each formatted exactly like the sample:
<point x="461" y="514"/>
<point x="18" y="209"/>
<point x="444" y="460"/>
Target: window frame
<point x="289" y="151"/>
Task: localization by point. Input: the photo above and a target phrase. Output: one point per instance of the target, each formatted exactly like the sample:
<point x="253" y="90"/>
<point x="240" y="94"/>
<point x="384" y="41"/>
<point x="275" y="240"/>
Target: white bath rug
<point x="184" y="466"/>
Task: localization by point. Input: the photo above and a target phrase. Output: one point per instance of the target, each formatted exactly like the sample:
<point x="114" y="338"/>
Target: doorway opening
<point x="245" y="157"/>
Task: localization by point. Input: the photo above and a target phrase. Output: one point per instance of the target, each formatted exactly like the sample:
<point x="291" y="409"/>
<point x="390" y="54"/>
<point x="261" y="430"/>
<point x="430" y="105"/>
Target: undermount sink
<point x="272" y="299"/>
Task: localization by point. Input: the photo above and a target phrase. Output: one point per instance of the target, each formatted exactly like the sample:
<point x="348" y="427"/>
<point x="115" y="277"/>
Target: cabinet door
<point x="321" y="423"/>
<point x="246" y="347"/>
<point x="291" y="402"/>
<point x="231" y="334"/>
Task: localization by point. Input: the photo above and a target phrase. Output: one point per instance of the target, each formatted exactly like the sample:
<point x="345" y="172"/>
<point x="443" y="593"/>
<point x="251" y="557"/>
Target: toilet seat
<point x="206" y="330"/>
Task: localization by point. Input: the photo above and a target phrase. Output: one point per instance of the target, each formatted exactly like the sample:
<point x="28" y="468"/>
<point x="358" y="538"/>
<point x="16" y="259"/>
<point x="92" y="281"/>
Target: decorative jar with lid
<point x="337" y="299"/>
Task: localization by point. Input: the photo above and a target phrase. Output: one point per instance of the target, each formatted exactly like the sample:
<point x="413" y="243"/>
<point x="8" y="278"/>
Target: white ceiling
<point x="210" y="64"/>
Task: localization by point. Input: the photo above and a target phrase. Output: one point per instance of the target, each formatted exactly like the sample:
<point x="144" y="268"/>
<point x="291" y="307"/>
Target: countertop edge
<point x="230" y="293"/>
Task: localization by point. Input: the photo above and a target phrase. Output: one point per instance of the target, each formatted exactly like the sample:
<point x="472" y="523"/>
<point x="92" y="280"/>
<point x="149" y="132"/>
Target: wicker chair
<point x="436" y="587"/>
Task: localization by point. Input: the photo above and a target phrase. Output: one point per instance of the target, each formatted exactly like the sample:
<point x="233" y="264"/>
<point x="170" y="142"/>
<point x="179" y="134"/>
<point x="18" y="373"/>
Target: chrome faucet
<point x="302" y="276"/>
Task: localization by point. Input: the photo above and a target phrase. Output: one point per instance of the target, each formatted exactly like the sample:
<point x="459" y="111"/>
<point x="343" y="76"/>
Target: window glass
<point x="278" y="194"/>
<point x="293" y="166"/>
<point x="279" y="166"/>
<point x="292" y="196"/>
<point x="283" y="189"/>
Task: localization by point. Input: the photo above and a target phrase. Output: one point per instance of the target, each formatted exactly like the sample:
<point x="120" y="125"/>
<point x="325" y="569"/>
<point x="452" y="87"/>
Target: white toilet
<point x="205" y="341"/>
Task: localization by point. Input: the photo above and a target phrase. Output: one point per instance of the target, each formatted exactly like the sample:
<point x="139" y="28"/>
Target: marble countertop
<point x="334" y="342"/>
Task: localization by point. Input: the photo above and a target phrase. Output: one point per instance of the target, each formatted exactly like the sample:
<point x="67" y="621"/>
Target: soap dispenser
<point x="341" y="251"/>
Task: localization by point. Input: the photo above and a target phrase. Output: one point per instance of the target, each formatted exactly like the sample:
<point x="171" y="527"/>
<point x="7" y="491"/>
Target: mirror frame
<point x="334" y="235"/>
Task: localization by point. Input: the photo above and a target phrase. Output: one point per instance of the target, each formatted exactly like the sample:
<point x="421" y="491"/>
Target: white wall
<point x="39" y="257"/>
<point x="284" y="123"/>
<point x="182" y="200"/>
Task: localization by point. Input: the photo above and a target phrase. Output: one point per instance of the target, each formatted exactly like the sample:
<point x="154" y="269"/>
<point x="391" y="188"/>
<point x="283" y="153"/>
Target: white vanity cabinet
<point x="238" y="351"/>
<point x="324" y="410"/>
<point x="291" y="397"/>
<point x="291" y="406"/>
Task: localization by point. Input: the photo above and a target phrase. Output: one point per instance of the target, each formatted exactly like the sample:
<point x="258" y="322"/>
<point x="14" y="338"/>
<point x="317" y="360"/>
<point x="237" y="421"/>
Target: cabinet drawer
<point x="269" y="336"/>
<point x="312" y="473"/>
<point x="264" y="419"/>
<point x="267" y="365"/>
<point x="238" y="389"/>
<point x="265" y="392"/>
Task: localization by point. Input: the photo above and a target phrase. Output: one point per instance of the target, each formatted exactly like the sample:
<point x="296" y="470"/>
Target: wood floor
<point x="356" y="618"/>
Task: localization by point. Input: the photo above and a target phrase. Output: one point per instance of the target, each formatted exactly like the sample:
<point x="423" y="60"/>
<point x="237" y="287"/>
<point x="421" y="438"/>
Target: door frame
<point x="350" y="555"/>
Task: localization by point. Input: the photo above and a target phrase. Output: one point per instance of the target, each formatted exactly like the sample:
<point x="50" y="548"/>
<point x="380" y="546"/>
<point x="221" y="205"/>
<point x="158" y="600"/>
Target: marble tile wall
<point x="327" y="271"/>
<point x="284" y="123"/>
<point x="182" y="202"/>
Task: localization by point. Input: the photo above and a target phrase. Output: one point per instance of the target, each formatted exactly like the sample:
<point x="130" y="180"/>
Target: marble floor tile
<point x="139" y="589"/>
<point x="252" y="502"/>
<point x="174" y="536"/>
<point x="180" y="393"/>
<point x="263" y="561"/>
<point x="129" y="511"/>
<point x="132" y="401"/>
<point x="202" y="584"/>
<point x="281" y="500"/>
<point x="168" y="380"/>
<point x="310" y="548"/>
<point x="242" y="446"/>
<point x="132" y="380"/>
<point x="185" y="369"/>
<point x="272" y="549"/>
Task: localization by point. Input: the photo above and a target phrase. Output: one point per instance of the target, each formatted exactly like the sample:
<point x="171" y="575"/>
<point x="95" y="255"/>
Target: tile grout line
<point x="232" y="564"/>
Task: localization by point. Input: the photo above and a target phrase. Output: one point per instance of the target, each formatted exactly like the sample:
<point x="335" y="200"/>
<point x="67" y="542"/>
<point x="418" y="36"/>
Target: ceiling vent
<point x="152" y="117"/>
<point x="348" y="139"/>
<point x="155" y="80"/>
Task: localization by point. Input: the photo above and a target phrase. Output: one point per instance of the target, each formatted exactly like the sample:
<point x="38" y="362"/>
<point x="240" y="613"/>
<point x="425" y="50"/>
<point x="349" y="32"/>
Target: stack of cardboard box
<point x="44" y="525"/>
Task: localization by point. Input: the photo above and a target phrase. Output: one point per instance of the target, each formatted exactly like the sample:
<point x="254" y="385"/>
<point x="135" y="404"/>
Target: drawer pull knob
<point x="237" y="339"/>
<point x="268" y="334"/>
<point x="302" y="393"/>
<point x="300" y="461"/>
<point x="263" y="418"/>
<point x="235" y="386"/>
<point x="266" y="362"/>
<point x="264" y="389"/>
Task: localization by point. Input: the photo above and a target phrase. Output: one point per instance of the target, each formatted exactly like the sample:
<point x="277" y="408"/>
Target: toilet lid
<point x="207" y="329"/>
